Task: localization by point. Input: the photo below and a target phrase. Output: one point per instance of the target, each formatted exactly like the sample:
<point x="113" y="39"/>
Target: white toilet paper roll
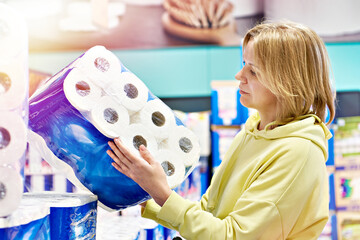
<point x="157" y="117"/>
<point x="185" y="144"/>
<point x="12" y="138"/>
<point x="101" y="65"/>
<point x="130" y="91"/>
<point x="136" y="135"/>
<point x="109" y="117"/>
<point x="13" y="84"/>
<point x="11" y="190"/>
<point x="173" y="166"/>
<point x="81" y="92"/>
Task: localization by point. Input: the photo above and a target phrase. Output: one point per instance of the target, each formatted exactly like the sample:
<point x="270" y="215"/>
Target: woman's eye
<point x="253" y="72"/>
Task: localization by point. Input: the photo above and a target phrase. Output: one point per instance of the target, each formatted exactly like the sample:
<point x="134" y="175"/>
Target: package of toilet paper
<point x="93" y="100"/>
<point x="72" y="215"/>
<point x="29" y="221"/>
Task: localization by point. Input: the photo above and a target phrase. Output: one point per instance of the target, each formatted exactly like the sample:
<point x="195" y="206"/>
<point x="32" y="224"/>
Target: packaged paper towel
<point x="93" y="100"/>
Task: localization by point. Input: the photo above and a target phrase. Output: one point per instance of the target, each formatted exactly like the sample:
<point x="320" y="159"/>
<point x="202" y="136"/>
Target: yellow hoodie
<point x="272" y="184"/>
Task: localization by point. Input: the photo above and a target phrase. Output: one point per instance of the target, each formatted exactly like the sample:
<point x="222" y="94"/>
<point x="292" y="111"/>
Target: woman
<point x="272" y="183"/>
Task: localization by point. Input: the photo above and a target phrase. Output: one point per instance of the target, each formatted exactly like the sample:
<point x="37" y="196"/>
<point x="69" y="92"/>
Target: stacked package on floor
<point x="45" y="216"/>
<point x="93" y="100"/>
<point x="71" y="216"/>
<point x="31" y="221"/>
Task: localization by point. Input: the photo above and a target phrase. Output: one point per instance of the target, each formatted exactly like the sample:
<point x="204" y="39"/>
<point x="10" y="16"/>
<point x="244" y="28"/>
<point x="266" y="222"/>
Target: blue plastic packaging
<point x="72" y="139"/>
<point x="30" y="221"/>
<point x="72" y="216"/>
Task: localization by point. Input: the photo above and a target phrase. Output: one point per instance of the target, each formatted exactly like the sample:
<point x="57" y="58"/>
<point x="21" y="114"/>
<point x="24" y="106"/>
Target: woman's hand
<point x="145" y="171"/>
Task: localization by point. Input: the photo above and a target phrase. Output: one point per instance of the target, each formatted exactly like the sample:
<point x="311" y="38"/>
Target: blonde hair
<point x="292" y="62"/>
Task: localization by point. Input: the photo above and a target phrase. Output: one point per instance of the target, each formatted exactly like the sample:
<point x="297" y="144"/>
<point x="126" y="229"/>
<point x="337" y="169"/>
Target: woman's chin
<point x="244" y="102"/>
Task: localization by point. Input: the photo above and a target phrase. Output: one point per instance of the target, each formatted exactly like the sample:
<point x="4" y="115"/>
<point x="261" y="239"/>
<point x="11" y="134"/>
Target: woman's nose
<point x="239" y="76"/>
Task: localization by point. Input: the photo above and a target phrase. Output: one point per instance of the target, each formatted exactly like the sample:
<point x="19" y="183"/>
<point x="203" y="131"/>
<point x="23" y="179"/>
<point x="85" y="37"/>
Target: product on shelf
<point x="14" y="83"/>
<point x="347" y="190"/>
<point x="222" y="137"/>
<point x="347" y="142"/>
<point x="226" y="108"/>
<point x="348" y="225"/>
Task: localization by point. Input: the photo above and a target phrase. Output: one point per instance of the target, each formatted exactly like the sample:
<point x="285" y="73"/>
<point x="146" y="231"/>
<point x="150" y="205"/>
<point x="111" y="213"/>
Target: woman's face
<point x="253" y="93"/>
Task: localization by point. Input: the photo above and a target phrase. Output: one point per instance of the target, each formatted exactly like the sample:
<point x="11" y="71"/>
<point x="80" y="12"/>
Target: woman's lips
<point x="242" y="92"/>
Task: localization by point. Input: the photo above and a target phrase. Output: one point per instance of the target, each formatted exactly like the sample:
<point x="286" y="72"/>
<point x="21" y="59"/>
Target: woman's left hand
<point x="144" y="170"/>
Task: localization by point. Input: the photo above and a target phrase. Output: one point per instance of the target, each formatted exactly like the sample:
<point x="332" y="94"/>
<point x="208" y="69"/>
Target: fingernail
<point x="142" y="148"/>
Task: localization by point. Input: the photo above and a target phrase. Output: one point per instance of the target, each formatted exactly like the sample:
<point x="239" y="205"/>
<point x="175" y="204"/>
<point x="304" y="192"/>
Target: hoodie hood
<point x="308" y="127"/>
